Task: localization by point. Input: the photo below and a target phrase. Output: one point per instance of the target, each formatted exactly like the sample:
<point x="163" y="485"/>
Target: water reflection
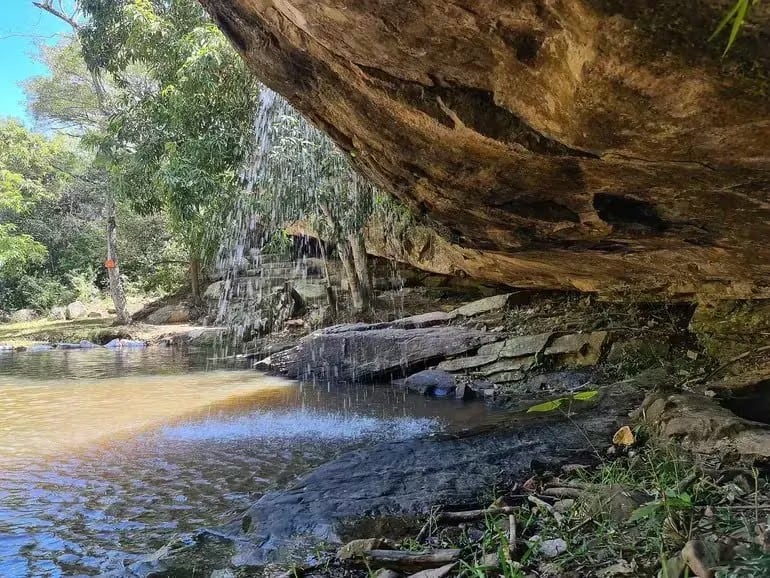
<point x="105" y="455"/>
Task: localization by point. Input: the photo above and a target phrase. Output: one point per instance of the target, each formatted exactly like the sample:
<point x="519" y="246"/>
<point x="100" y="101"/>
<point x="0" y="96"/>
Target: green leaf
<point x="644" y="512"/>
<point x="585" y="395"/>
<point x="725" y="20"/>
<point x="547" y="406"/>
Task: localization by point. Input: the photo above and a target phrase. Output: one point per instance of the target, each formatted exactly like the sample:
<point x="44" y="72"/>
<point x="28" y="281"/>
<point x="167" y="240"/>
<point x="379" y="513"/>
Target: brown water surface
<point x="105" y="455"/>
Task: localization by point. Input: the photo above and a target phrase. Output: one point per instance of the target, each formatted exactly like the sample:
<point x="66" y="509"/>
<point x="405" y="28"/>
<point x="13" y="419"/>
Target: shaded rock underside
<point x="590" y="144"/>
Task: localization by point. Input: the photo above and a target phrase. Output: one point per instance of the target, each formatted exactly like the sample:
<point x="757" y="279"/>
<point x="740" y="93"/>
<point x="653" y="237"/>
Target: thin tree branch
<point x="47" y="6"/>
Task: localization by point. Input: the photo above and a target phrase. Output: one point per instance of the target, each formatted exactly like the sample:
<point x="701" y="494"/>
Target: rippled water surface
<point x="105" y="455"/>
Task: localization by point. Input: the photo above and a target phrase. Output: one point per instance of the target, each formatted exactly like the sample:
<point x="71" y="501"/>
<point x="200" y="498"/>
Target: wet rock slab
<point x="360" y="351"/>
<point x="403" y="480"/>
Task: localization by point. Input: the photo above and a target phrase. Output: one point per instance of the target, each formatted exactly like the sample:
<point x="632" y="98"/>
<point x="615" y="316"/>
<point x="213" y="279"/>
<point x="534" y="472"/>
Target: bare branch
<point x="59" y="12"/>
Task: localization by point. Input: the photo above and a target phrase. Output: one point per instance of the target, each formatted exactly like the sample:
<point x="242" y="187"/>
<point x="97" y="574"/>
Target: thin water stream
<point x="105" y="455"/>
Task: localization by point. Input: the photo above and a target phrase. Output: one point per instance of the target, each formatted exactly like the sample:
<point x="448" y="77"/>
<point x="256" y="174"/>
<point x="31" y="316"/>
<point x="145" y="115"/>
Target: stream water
<point x="105" y="455"/>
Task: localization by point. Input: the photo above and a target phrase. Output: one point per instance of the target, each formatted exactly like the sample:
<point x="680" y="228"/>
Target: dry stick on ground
<point x="471" y="515"/>
<point x="563" y="492"/>
<point x="410" y="560"/>
<point x="729" y="362"/>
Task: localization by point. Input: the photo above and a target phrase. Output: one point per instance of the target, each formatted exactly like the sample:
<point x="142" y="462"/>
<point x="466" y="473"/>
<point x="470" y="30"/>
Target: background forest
<point x="142" y="122"/>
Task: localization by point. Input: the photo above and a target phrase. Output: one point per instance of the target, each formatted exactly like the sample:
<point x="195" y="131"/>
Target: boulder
<point x="578" y="348"/>
<point x="76" y="310"/>
<point x="703" y="426"/>
<point x="353" y="352"/>
<point x="169" y="314"/>
<point x="483" y="305"/>
<point x="23" y="315"/>
<point x="58" y="313"/>
<point x="583" y="145"/>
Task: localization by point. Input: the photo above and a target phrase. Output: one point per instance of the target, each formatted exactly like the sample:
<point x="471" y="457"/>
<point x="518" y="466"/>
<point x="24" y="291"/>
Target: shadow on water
<point x="105" y="455"/>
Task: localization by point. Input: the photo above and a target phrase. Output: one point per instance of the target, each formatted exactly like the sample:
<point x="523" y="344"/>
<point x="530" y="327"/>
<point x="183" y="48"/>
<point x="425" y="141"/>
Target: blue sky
<point x="22" y="25"/>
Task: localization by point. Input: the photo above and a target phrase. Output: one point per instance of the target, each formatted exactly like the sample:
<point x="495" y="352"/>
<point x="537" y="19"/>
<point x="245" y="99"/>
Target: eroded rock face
<point x="601" y="145"/>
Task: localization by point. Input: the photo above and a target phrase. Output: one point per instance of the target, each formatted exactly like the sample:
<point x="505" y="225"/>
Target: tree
<point x="184" y="116"/>
<point x="33" y="170"/>
<point x="102" y="112"/>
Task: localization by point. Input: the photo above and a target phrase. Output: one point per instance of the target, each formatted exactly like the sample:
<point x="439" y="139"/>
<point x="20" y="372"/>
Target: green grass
<point x="52" y="331"/>
<point x="681" y="499"/>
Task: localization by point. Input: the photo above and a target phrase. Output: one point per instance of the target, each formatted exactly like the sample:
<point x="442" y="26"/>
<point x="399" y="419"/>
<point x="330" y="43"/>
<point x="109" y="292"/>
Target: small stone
<point x="385" y="573"/>
<point x="483" y="305"/>
<point x="226" y="573"/>
<point x="357" y="548"/>
<point x="692" y="355"/>
<point x="94" y="315"/>
<point x="614" y="501"/>
<point x="548" y="548"/>
<point x="621" y="568"/>
<point x="564" y="506"/>
<point x="702" y="557"/>
<point x="434" y="572"/>
<point x="491" y="561"/>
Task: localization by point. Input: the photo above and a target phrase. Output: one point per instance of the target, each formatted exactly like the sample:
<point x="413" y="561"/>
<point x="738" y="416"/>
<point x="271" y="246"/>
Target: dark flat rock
<point x="408" y="478"/>
<point x="354" y="352"/>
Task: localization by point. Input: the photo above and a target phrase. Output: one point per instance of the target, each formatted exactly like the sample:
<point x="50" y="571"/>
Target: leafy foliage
<point x="184" y="111"/>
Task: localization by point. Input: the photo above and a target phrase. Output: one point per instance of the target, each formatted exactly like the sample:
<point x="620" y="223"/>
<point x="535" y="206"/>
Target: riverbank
<point x="19" y="336"/>
<point x="564" y="371"/>
<point x="570" y="370"/>
<point x="649" y="509"/>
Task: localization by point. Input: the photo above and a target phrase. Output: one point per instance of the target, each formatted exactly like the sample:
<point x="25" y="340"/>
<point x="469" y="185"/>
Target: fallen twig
<point x="729" y="362"/>
<point x="470" y="515"/>
<point x="563" y="492"/>
<point x="411" y="560"/>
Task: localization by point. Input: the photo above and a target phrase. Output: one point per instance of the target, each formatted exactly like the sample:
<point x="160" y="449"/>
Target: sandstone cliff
<point x="602" y="145"/>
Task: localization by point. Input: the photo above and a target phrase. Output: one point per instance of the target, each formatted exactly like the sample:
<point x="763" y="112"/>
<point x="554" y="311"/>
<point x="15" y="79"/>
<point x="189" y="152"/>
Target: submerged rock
<point x="125" y="343"/>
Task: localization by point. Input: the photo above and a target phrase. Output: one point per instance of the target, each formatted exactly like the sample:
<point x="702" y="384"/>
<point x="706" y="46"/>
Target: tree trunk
<point x="349" y="267"/>
<point x="361" y="263"/>
<point x="331" y="296"/>
<point x="195" y="273"/>
<point x="113" y="272"/>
